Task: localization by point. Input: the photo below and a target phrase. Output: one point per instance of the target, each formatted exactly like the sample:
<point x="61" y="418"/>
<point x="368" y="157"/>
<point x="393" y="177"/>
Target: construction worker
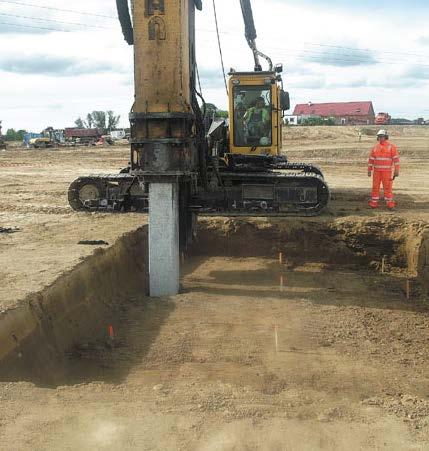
<point x="258" y="113"/>
<point x="384" y="165"/>
<point x="257" y="120"/>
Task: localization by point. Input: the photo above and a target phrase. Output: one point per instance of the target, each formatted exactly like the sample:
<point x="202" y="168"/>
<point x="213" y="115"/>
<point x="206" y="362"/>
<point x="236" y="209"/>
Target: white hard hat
<point x="264" y="141"/>
<point x="383" y="133"/>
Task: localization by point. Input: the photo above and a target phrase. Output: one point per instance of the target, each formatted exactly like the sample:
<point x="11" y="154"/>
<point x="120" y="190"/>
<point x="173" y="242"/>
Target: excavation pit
<point x="63" y="334"/>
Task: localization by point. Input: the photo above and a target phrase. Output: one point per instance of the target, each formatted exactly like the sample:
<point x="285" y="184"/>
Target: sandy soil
<point x="33" y="202"/>
<point x="202" y="370"/>
<point x="343" y="159"/>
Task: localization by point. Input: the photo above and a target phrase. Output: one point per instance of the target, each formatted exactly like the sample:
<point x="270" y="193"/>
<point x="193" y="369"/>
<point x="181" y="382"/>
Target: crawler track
<point x="292" y="190"/>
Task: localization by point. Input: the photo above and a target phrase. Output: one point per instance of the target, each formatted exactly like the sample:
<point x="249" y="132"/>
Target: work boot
<point x="373" y="204"/>
<point x="391" y="205"/>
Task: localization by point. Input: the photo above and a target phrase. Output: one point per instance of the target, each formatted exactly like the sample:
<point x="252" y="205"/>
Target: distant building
<point x="344" y="113"/>
<point x="289" y="119"/>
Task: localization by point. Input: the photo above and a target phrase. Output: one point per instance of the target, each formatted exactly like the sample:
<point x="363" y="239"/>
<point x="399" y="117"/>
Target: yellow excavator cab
<point x="256" y="105"/>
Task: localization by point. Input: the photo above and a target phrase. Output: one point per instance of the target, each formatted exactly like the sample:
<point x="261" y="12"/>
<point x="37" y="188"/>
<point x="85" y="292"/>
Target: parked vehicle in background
<point x="30" y="136"/>
<point x="83" y="136"/>
<point x="383" y="119"/>
<point x="117" y="135"/>
<point x="105" y="140"/>
<point x="40" y="143"/>
<point x="48" y="138"/>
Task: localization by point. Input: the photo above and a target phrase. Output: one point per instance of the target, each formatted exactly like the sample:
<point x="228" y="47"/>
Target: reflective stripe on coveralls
<point x="382" y="178"/>
<point x="384" y="157"/>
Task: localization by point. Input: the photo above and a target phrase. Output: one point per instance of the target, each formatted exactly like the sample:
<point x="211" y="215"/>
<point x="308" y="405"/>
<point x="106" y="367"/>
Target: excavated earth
<point x="327" y="349"/>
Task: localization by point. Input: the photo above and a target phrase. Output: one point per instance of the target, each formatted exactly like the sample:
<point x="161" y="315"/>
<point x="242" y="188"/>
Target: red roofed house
<point x="344" y="113"/>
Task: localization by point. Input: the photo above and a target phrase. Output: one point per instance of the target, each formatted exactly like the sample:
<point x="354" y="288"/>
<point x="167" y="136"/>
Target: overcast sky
<point x="336" y="50"/>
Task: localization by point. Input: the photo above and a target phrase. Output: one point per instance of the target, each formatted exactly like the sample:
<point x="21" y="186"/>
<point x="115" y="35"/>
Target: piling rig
<point x="234" y="168"/>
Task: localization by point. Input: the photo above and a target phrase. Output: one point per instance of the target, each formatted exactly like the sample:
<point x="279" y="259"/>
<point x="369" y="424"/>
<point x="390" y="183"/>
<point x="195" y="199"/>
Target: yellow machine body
<point x="255" y="113"/>
<point x="235" y="167"/>
<point x="162" y="57"/>
<point x="162" y="116"/>
<point x="40" y="142"/>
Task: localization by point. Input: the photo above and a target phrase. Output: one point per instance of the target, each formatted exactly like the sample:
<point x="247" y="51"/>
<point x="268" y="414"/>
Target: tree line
<point x="15" y="135"/>
<point x="106" y="121"/>
<point x="103" y="120"/>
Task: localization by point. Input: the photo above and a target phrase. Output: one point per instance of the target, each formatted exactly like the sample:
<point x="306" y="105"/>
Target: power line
<point x="32" y="5"/>
<point x="349" y="59"/>
<point x="367" y="50"/>
<point x="311" y="56"/>
<point x="38" y="28"/>
<point x="356" y="49"/>
<point x="56" y="21"/>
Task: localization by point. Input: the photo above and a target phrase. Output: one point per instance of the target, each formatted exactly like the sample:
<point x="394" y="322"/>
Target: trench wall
<point x="77" y="307"/>
<point x="357" y="242"/>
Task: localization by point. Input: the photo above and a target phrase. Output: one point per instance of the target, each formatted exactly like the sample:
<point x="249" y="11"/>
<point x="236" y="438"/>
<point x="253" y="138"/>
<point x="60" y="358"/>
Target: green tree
<point x="79" y="123"/>
<point x="313" y="121"/>
<point x="213" y="111"/>
<point x="210" y="108"/>
<point x="89" y="120"/>
<point x="13" y="135"/>
<point x="99" y="120"/>
<point x="112" y="120"/>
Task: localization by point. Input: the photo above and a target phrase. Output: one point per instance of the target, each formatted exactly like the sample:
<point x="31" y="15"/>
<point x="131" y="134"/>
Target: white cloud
<point x="312" y="82"/>
<point x="55" y="66"/>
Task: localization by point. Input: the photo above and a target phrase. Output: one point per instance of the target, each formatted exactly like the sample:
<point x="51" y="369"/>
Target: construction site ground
<point x="323" y="351"/>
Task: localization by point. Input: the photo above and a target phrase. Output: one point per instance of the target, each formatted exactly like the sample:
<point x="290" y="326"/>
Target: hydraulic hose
<point x="251" y="35"/>
<point x="125" y="20"/>
<point x="249" y="22"/>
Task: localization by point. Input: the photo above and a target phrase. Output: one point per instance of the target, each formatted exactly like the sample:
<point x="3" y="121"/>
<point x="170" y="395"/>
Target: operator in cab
<point x="257" y="120"/>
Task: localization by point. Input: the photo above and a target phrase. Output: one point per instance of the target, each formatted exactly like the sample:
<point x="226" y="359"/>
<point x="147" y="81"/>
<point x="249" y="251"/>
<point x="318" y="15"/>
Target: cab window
<point x="252" y="116"/>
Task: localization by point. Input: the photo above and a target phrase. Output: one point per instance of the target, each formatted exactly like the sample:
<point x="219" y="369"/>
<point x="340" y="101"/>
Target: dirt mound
<point x="320" y="133"/>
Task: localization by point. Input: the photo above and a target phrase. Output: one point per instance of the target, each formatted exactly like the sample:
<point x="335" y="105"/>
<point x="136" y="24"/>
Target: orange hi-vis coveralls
<point x="383" y="162"/>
